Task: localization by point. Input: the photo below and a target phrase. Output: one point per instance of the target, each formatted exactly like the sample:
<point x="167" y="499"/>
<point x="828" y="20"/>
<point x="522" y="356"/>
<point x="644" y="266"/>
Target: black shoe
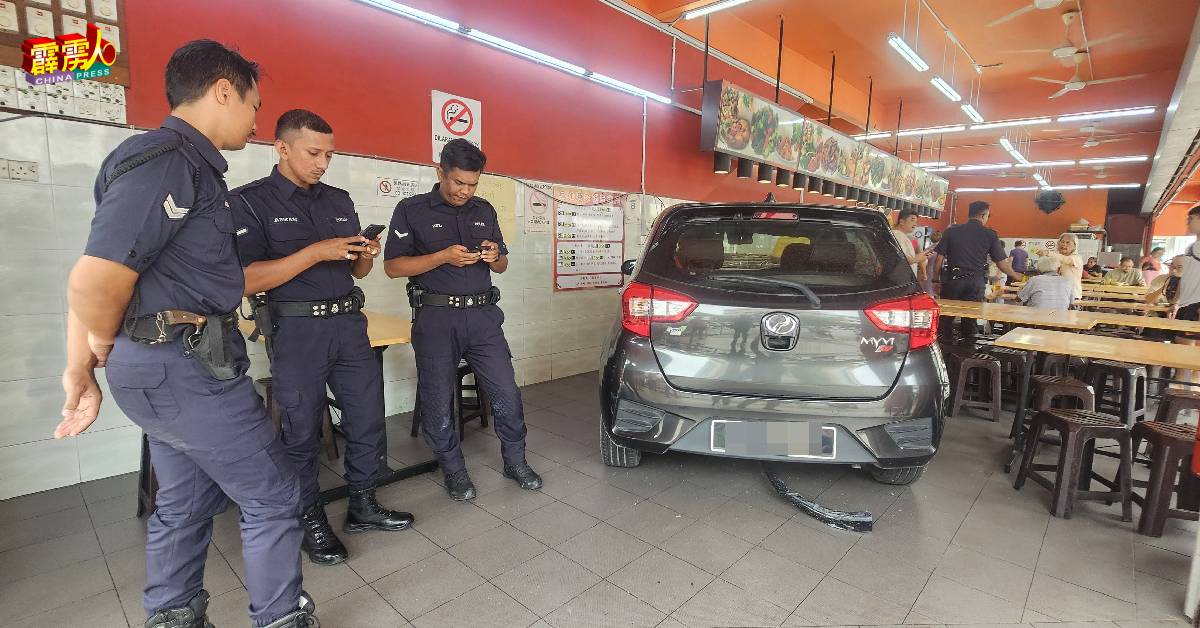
<point x="365" y="513"/>
<point x="194" y="615"/>
<point x="525" y="476"/>
<point x="459" y="486"/>
<point x="320" y="543"/>
<point x="302" y="618"/>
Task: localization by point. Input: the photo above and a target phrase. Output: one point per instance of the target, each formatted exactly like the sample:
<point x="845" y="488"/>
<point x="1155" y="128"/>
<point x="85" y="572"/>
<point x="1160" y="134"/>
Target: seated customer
<point x="1093" y="268"/>
<point x="1049" y="289"/>
<point x="1125" y="274"/>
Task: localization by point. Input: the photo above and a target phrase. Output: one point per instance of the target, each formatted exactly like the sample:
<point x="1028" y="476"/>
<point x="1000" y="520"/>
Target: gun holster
<point x="415" y="291"/>
<point x="210" y="347"/>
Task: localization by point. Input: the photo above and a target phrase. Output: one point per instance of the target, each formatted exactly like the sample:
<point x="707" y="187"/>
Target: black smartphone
<point x="372" y="231"/>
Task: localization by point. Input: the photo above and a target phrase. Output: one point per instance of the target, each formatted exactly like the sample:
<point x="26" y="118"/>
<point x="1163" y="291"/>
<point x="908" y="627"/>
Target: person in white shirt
<point x="906" y="222"/>
<point x="1188" y="297"/>
<point x="1070" y="265"/>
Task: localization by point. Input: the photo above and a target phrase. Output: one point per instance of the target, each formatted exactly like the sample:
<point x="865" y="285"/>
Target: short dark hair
<point x="1194" y="211"/>
<point x="1157" y="249"/>
<point x="905" y="214"/>
<point x="196" y="65"/>
<point x="461" y="154"/>
<point x="977" y="209"/>
<point x="1020" y="243"/>
<point x="1126" y="259"/>
<point x="298" y="120"/>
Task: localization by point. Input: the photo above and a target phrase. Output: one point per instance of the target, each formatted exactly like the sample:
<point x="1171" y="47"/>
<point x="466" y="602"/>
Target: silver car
<point x="775" y="332"/>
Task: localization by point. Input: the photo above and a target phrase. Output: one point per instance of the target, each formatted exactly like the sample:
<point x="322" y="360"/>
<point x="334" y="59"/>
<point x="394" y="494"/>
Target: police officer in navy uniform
<point x="153" y="299"/>
<point x="448" y="242"/>
<point x="966" y="249"/>
<point x="299" y="241"/>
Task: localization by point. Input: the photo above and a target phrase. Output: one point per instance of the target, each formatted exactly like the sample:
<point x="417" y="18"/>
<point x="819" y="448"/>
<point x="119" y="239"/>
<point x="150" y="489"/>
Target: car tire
<point x="615" y="455"/>
<point x="899" y="477"/>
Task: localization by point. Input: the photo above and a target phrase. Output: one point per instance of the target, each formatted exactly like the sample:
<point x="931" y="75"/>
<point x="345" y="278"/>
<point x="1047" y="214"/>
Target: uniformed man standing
<point x="299" y="241"/>
<point x="154" y="299"/>
<point x="966" y="249"/>
<point x="449" y="243"/>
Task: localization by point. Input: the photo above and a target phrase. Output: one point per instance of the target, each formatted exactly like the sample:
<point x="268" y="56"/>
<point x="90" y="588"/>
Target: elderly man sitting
<point x="1049" y="289"/>
<point x="1125" y="274"/>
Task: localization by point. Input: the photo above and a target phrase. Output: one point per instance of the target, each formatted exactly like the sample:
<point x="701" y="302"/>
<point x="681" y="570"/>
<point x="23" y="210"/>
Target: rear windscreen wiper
<point x="770" y="281"/>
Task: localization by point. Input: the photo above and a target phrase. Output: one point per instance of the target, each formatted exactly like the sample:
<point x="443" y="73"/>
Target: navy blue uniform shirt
<point x="425" y="224"/>
<point x="275" y="218"/>
<point x="169" y="220"/>
<point x="968" y="246"/>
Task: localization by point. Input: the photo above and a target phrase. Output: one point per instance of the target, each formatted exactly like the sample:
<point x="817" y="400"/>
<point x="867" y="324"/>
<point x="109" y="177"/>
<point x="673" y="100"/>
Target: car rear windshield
<point x="829" y="256"/>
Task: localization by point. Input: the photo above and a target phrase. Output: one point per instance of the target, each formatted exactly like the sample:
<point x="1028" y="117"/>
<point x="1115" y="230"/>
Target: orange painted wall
<point x="1173" y="221"/>
<point x="1014" y="214"/>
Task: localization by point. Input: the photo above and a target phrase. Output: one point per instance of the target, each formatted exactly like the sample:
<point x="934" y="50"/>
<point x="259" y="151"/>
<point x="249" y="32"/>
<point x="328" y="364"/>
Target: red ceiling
<point x="1151" y="39"/>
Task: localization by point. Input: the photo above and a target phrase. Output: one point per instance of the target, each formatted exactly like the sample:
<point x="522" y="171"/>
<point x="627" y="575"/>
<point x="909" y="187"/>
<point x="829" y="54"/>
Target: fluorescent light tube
<point x="522" y="51"/>
<point x="626" y="87"/>
<point x="940" y="169"/>
<point x="873" y="136"/>
<point x="1108" y="186"/>
<point x="975" y="190"/>
<point x="1068" y="187"/>
<point x="971" y="112"/>
<point x="1028" y="189"/>
<point x="910" y="55"/>
<point x="1000" y="124"/>
<point x="1046" y="164"/>
<point x="1111" y="113"/>
<point x="1112" y="160"/>
<point x="712" y="8"/>
<point x="414" y="14"/>
<point x="1006" y="145"/>
<point x="929" y="164"/>
<point x="984" y="167"/>
<point x="945" y="88"/>
<point x="933" y="130"/>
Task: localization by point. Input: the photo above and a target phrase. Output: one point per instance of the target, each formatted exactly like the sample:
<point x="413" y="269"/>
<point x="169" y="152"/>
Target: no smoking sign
<point x="454" y="117"/>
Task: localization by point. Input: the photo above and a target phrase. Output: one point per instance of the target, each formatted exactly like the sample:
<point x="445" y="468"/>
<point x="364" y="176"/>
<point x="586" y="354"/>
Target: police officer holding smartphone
<point x="300" y="243"/>
<point x="154" y="299"/>
<point x="448" y="242"/>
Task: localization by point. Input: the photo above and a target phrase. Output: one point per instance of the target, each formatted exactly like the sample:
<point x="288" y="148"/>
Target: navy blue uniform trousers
<point x="442" y="336"/>
<point x="209" y="439"/>
<point x="310" y="354"/>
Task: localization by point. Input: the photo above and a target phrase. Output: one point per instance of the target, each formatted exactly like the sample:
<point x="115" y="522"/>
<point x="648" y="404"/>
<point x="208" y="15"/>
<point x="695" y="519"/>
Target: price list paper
<point x="589" y="232"/>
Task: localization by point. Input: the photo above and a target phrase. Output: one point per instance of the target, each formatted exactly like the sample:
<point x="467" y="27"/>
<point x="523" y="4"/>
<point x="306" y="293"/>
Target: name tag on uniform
<point x="341" y="219"/>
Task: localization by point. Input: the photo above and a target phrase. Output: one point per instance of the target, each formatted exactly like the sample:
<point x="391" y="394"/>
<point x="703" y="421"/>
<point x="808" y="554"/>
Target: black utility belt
<point x="955" y="272"/>
<point x="158" y="328"/>
<point x="423" y="299"/>
<point x="349" y="304"/>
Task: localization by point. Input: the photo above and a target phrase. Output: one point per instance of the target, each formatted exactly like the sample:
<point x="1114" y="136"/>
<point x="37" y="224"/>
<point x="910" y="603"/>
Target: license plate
<point x="794" y="439"/>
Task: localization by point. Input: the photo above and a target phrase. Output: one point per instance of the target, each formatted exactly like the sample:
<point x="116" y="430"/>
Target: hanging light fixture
<point x="722" y="163"/>
<point x="745" y="169"/>
<point x="783" y="178"/>
<point x="840" y="192"/>
<point x="827" y="187"/>
<point x="766" y="173"/>
<point x="814" y="185"/>
<point x="799" y="181"/>
<point x="899" y="45"/>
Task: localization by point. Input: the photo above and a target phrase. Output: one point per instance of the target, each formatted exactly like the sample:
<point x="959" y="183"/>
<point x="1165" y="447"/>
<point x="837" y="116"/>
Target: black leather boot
<point x="194" y="615"/>
<point x="320" y="543"/>
<point x="303" y="618"/>
<point x="365" y="513"/>
<point x="459" y="486"/>
<point x="525" y="476"/>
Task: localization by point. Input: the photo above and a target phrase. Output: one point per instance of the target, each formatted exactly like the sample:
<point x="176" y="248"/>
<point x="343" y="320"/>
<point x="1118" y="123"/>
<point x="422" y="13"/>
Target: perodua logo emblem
<point x="779" y="330"/>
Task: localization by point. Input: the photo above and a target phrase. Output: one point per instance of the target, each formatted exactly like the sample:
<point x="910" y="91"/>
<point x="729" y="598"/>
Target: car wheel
<point x="899" y="477"/>
<point x="615" y="455"/>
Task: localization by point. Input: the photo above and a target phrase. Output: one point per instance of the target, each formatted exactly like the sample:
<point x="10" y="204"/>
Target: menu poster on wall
<point x="539" y="207"/>
<point x="501" y="192"/>
<point x="589" y="232"/>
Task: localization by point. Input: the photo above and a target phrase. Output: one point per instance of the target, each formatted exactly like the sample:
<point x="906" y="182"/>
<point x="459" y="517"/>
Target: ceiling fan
<point x="1036" y="4"/>
<point x="1076" y="83"/>
<point x="1100" y="172"/>
<point x="1092" y="142"/>
<point x="1067" y="50"/>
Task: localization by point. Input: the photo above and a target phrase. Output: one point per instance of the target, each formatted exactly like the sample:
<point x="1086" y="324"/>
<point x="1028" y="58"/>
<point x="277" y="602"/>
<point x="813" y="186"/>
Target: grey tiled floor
<point x="679" y="541"/>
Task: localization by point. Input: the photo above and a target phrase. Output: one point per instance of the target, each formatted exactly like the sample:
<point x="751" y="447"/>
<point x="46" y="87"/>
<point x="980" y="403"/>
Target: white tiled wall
<point x="45" y="226"/>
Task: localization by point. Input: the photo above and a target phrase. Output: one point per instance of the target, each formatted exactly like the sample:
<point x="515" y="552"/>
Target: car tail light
<point x="642" y="304"/>
<point x="916" y="316"/>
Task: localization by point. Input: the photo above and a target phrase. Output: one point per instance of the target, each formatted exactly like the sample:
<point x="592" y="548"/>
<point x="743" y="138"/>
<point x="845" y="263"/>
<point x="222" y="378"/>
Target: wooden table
<point x="1124" y="305"/>
<point x="1018" y="314"/>
<point x="1102" y="347"/>
<point x="383" y="330"/>
<point x="1155" y="322"/>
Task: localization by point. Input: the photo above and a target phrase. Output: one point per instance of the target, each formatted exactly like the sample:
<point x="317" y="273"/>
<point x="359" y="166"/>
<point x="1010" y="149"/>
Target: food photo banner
<point x="739" y="123"/>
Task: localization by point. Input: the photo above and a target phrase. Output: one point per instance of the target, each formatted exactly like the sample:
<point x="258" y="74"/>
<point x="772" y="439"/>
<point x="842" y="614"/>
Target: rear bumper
<point x="903" y="429"/>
